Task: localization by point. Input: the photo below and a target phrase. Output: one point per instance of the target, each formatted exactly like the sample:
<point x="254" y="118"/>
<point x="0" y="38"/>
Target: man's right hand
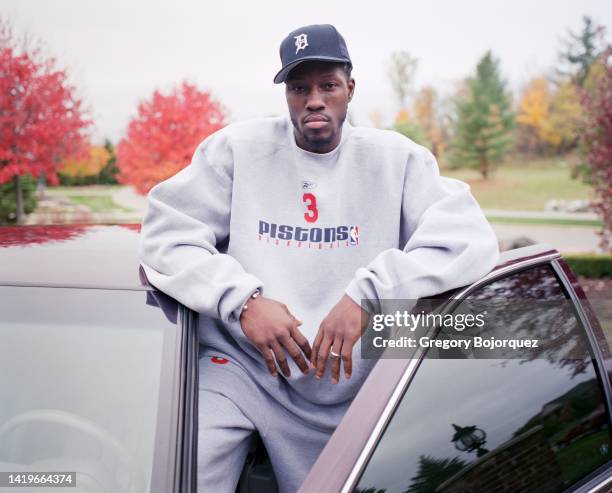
<point x="271" y="327"/>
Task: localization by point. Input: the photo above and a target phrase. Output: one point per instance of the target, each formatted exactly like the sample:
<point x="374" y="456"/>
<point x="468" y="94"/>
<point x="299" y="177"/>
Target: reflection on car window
<point x="80" y="384"/>
<point x="535" y="424"/>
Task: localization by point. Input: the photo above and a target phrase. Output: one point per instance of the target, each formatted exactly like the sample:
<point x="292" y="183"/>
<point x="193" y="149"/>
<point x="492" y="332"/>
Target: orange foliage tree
<point x="562" y="128"/>
<point x="89" y="165"/>
<point x="427" y="114"/>
<point x="422" y="122"/>
<point x="548" y="120"/>
<point x="161" y="139"/>
<point x="533" y="112"/>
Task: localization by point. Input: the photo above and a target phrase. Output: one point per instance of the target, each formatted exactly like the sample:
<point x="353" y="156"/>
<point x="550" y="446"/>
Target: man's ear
<point x="351" y="88"/>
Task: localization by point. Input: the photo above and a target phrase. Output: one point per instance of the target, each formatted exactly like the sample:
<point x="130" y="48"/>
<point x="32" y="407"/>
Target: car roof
<point x="102" y="256"/>
<point x="106" y="256"/>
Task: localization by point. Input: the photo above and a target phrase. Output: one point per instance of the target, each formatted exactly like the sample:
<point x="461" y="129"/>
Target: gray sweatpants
<point x="231" y="407"/>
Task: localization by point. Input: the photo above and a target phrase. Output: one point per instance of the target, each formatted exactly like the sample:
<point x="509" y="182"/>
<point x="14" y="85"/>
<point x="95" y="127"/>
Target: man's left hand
<point x="337" y="335"/>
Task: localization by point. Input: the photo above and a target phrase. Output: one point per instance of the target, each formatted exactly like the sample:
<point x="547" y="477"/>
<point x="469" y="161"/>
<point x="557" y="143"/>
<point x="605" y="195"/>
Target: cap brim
<point x="282" y="75"/>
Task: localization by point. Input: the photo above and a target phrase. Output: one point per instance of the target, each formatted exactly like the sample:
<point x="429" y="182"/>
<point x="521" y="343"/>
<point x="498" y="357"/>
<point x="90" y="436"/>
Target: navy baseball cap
<point x="320" y="42"/>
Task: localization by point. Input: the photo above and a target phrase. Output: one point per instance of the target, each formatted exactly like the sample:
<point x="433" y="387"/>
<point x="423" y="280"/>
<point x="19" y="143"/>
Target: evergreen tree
<point x="581" y="51"/>
<point x="484" y="119"/>
<point x="433" y="472"/>
<point x="108" y="174"/>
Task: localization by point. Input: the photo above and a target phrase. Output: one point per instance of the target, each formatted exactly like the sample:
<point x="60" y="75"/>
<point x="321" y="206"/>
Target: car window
<point x="80" y="383"/>
<point x="533" y="424"/>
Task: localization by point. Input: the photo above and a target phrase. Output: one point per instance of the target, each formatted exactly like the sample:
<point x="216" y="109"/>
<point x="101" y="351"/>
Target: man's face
<point x="318" y="94"/>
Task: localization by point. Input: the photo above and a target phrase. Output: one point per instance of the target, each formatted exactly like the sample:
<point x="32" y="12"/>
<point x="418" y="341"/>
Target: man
<point x="275" y="233"/>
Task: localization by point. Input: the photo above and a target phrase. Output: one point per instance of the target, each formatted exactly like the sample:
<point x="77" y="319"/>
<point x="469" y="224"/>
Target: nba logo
<point x="354" y="235"/>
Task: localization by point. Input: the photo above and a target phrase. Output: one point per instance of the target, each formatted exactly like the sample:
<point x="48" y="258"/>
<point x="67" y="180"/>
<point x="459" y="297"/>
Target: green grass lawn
<point x="98" y="203"/>
<point x="524" y="186"/>
<point x="583" y="456"/>
<point x="554" y="221"/>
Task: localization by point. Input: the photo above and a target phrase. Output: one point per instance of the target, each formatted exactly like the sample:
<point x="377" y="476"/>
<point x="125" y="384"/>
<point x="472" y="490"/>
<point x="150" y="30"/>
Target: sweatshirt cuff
<point x="243" y="293"/>
<point x="355" y="290"/>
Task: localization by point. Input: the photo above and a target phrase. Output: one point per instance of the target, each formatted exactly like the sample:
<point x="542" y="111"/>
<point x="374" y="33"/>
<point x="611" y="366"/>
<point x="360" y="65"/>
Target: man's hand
<point x="273" y="329"/>
<point x="338" y="332"/>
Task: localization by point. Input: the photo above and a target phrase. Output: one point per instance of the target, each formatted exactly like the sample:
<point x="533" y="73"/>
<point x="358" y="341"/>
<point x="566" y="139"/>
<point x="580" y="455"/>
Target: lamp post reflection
<point x="469" y="439"/>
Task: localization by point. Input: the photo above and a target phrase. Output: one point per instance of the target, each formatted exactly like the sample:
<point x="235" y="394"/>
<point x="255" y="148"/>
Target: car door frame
<point x="175" y="455"/>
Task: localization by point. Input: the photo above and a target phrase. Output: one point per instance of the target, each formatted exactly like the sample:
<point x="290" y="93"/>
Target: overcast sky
<point x="118" y="51"/>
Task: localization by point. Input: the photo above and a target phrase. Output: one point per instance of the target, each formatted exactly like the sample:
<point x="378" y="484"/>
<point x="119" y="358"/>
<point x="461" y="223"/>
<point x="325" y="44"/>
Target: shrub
<point x="590" y="265"/>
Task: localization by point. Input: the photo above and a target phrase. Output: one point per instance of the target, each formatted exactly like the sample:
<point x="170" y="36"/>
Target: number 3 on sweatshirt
<point x="312" y="214"/>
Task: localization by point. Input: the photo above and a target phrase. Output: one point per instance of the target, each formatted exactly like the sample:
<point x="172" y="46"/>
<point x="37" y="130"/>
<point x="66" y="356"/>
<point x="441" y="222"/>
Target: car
<point x="100" y="376"/>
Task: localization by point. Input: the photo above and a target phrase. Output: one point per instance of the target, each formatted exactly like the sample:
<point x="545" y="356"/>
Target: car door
<point x="515" y="424"/>
<point x="101" y="382"/>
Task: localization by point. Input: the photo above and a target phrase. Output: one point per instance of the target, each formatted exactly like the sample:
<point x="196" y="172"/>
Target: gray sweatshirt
<point x="372" y="218"/>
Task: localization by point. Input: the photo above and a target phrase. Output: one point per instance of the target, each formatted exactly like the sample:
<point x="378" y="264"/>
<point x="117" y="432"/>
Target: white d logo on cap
<point x="301" y="42"/>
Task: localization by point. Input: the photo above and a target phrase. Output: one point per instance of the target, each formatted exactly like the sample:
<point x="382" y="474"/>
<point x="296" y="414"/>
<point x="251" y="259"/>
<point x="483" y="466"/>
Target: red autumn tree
<point x="41" y="120"/>
<point x="597" y="139"/>
<point x="162" y="138"/>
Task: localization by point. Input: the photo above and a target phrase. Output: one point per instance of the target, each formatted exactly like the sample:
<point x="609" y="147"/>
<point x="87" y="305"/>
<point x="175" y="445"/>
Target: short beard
<point x="320" y="144"/>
